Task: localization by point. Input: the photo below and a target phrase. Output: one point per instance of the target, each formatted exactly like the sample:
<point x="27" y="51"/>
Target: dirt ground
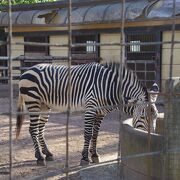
<point x="24" y="163"/>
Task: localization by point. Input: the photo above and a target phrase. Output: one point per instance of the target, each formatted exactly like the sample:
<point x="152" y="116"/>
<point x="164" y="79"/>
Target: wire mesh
<point x="122" y="45"/>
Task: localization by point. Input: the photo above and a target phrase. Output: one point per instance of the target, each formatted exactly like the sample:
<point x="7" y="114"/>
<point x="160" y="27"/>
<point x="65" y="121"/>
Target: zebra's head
<point x="145" y="112"/>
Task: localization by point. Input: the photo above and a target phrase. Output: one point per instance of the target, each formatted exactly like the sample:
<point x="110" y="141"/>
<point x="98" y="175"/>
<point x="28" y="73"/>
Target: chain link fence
<point x="127" y="153"/>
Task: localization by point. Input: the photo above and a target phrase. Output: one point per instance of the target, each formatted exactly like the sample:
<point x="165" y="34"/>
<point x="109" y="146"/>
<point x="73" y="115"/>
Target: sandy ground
<point x="24" y="163"/>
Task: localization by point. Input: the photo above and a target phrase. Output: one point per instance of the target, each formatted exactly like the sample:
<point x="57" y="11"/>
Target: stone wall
<point x="172" y="132"/>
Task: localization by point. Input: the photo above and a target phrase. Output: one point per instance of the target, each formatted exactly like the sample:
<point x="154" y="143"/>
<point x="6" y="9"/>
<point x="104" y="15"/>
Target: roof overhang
<point x="101" y="13"/>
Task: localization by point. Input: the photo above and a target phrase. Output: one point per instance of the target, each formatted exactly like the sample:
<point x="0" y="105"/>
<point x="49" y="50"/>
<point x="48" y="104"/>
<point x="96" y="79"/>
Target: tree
<point x="5" y="2"/>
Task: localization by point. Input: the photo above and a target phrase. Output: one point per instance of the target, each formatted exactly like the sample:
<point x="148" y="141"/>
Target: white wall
<point x="166" y="53"/>
<point x="17" y="50"/>
<point x="110" y="53"/>
<point x="59" y="51"/>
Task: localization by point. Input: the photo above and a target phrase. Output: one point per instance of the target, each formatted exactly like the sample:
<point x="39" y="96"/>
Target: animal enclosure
<point x="78" y="32"/>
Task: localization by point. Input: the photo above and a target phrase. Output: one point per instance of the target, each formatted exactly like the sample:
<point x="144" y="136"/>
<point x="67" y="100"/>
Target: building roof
<point x="83" y="12"/>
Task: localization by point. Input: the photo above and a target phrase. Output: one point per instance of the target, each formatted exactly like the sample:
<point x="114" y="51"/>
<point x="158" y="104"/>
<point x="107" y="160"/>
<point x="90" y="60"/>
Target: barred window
<point x="90" y="48"/>
<point x="135" y="47"/>
<point x="85" y="54"/>
<point x="34" y="51"/>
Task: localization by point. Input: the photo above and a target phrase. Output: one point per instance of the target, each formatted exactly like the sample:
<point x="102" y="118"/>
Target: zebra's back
<point x="49" y="84"/>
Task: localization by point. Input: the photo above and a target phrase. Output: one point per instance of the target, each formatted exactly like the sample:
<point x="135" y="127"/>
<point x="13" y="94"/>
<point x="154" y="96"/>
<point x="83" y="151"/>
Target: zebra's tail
<point x="20" y="117"/>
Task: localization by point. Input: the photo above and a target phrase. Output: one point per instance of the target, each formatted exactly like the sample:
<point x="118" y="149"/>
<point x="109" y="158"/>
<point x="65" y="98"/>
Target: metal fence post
<point x="10" y="87"/>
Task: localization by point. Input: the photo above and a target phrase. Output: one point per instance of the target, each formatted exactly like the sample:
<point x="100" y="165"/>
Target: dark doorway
<point x="85" y="54"/>
<point x="3" y="62"/>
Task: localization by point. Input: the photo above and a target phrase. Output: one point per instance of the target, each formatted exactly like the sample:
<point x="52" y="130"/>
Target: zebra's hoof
<point x="95" y="159"/>
<point x="41" y="162"/>
<point x="49" y="158"/>
<point x="84" y="162"/>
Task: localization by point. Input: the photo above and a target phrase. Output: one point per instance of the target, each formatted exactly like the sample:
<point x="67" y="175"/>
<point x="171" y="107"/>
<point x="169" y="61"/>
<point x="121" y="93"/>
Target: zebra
<point x="94" y="87"/>
<point x="146" y="119"/>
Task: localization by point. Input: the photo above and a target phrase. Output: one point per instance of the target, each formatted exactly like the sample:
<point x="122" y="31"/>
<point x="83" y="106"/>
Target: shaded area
<point x="5" y="92"/>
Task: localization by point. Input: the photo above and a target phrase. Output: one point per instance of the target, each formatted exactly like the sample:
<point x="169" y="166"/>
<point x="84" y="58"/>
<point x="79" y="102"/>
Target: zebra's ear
<point x="154" y="89"/>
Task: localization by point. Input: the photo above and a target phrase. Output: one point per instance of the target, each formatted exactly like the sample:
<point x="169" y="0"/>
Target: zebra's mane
<point x="116" y="67"/>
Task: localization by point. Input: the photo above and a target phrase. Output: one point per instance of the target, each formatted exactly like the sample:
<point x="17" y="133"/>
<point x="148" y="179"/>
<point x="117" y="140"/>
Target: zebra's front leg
<point x="88" y="124"/>
<point x="93" y="149"/>
<point x="44" y="146"/>
<point x="34" y="131"/>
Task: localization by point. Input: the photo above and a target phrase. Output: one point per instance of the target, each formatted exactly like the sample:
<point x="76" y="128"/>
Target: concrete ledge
<point x="106" y="171"/>
<point x="137" y="142"/>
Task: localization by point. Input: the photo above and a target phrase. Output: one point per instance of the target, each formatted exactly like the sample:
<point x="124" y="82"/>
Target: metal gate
<point x="144" y="60"/>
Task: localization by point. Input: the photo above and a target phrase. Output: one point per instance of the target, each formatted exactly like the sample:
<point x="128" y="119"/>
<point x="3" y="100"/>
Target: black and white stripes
<point x="45" y="87"/>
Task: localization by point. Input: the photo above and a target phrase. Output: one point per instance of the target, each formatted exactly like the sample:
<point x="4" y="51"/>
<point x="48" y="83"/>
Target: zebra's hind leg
<point x="93" y="149"/>
<point x="34" y="131"/>
<point x="88" y="124"/>
<point x="34" y="109"/>
<point x="42" y="121"/>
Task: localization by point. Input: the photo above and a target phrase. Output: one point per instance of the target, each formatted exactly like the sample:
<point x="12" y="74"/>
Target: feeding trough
<point x="138" y="151"/>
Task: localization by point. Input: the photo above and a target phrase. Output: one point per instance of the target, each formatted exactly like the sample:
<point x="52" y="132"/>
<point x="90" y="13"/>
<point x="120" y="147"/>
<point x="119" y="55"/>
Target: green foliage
<point x="5" y="2"/>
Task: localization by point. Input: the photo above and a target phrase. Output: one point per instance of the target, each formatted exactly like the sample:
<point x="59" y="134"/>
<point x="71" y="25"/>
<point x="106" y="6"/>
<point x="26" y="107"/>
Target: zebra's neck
<point x="128" y="87"/>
